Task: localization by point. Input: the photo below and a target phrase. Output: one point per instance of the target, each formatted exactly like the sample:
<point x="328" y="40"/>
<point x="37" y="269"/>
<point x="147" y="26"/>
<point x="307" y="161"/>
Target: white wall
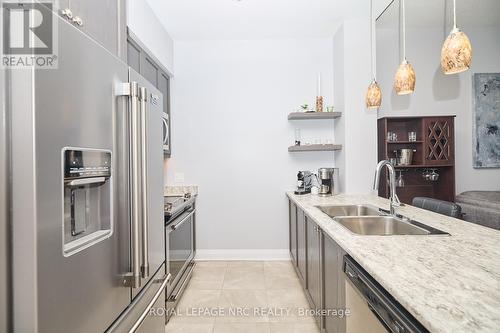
<point x="439" y="94"/>
<point x="357" y="129"/>
<point x="231" y="133"/>
<point x="143" y="23"/>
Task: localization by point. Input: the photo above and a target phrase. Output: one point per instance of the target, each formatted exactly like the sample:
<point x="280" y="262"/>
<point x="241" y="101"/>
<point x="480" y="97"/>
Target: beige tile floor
<point x="253" y="288"/>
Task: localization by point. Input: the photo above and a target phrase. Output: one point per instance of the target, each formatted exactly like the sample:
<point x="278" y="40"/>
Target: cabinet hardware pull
<point x="67" y="12"/>
<point x="77" y="21"/>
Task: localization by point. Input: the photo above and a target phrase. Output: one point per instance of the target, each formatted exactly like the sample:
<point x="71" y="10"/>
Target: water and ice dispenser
<point x="88" y="214"/>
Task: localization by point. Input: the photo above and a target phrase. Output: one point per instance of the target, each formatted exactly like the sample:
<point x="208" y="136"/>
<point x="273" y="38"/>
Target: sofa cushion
<point x="486" y="199"/>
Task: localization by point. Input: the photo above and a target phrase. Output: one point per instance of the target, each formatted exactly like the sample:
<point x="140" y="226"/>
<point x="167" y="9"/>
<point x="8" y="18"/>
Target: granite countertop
<point x="448" y="283"/>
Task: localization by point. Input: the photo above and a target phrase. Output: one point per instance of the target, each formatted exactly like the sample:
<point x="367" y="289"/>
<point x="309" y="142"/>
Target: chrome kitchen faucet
<point x="392" y="184"/>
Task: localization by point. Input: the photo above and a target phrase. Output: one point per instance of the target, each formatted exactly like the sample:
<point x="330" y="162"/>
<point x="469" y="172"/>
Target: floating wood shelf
<point x="313" y="115"/>
<point x="330" y="147"/>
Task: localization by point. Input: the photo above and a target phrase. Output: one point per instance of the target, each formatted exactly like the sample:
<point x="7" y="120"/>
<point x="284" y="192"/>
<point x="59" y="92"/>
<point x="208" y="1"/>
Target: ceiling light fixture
<point x="404" y="81"/>
<point x="456" y="54"/>
<point x="374" y="93"/>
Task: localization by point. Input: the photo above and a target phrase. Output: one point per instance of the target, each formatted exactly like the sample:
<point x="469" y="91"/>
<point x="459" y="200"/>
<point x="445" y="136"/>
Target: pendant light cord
<point x="404" y="28"/>
<point x="372" y="42"/>
<point x="454" y="14"/>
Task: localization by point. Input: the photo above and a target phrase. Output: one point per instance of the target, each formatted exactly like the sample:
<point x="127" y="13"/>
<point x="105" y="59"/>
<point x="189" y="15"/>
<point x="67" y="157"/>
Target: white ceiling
<point x="255" y="19"/>
<point x="432" y="13"/>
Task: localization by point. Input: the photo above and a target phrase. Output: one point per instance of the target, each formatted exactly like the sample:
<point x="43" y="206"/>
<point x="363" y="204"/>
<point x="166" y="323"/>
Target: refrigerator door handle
<point x="133" y="278"/>
<point x="157" y="295"/>
<point x="144" y="181"/>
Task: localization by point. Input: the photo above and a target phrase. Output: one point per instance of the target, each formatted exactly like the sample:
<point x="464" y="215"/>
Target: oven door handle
<point x="177" y="225"/>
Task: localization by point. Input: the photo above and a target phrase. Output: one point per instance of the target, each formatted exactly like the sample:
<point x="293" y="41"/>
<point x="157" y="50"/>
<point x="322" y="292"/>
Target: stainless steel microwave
<point x="166" y="133"/>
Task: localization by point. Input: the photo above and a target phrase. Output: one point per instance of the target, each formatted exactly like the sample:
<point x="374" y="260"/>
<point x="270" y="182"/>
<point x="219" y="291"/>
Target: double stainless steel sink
<point x="369" y="220"/>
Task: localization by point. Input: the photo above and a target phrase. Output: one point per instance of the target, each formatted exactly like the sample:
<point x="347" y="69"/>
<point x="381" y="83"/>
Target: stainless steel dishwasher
<point x="372" y="308"/>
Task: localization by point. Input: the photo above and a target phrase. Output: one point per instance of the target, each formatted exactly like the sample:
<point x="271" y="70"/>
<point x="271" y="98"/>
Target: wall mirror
<point x="428" y="23"/>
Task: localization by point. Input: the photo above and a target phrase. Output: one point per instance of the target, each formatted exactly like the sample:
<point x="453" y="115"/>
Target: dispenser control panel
<point x="86" y="164"/>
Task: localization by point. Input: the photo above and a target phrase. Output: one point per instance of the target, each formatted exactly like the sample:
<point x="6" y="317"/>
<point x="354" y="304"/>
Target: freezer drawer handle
<point x="164" y="281"/>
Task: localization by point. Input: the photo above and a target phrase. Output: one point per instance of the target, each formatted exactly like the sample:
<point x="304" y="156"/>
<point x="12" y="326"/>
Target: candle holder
<point x="319" y="104"/>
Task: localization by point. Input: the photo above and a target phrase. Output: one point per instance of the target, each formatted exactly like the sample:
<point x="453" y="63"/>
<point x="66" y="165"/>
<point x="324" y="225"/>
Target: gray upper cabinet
<point x="314" y="278"/>
<point x="134" y="56"/>
<point x="150" y="70"/>
<point x="103" y="20"/>
<point x="293" y="232"/>
<point x="301" y="247"/>
<point x="142" y="62"/>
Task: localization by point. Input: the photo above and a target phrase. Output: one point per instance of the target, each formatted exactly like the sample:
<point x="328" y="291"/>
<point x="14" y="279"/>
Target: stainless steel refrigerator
<point x="86" y="194"/>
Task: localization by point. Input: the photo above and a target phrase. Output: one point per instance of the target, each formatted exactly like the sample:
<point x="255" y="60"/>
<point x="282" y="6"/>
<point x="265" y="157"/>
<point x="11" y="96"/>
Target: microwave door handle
<point x="144" y="181"/>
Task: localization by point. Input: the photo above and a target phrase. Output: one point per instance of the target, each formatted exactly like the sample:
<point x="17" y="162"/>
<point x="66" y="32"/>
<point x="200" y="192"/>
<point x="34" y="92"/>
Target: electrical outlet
<point x="179" y="177"/>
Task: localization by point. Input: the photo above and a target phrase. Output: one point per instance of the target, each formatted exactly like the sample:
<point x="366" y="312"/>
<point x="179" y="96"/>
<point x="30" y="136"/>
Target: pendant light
<point x="374" y="94"/>
<point x="404" y="81"/>
<point x="456" y="54"/>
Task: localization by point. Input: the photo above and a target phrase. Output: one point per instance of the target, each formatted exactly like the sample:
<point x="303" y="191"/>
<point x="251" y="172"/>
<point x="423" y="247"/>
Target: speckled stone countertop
<point x="448" y="283"/>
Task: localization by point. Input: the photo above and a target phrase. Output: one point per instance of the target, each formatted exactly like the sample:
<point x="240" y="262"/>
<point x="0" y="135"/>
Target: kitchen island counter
<point x="450" y="283"/>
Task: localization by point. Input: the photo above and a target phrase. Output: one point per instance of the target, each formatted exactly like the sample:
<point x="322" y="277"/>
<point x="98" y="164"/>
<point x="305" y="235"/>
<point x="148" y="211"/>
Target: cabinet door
<point x="439" y="145"/>
<point x="331" y="262"/>
<point x="104" y="21"/>
<point x="134" y="56"/>
<point x="301" y="246"/>
<point x="293" y="232"/>
<point x="313" y="263"/>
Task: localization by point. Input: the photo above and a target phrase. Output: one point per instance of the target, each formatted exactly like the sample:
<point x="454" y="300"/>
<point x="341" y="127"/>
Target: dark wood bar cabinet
<point x="434" y="153"/>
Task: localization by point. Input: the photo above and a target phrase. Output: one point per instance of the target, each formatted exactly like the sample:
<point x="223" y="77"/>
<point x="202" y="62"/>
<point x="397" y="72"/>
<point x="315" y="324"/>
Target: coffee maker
<point x="327" y="179"/>
<point x="304" y="182"/>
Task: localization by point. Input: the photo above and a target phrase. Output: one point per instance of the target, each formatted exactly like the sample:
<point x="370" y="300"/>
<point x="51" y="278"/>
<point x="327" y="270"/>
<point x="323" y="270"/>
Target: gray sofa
<point x="481" y="207"/>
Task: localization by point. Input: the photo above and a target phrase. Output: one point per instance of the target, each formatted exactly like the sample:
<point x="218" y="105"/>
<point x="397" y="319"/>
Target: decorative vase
<point x="319" y="104"/>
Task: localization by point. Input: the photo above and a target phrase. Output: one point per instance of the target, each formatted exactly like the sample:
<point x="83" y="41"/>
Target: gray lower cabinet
<point x="333" y="284"/>
<point x="314" y="278"/>
<point x="293" y="232"/>
<point x="319" y="267"/>
<point x="301" y="247"/>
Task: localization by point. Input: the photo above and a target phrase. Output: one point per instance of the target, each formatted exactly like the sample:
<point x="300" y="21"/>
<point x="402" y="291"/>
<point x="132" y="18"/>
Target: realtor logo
<point x="28" y="34"/>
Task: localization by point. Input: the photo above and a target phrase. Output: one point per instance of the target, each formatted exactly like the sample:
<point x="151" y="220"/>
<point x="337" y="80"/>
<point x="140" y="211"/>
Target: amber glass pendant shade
<point x="373" y="96"/>
<point x="404" y="81"/>
<point x="456" y="54"/>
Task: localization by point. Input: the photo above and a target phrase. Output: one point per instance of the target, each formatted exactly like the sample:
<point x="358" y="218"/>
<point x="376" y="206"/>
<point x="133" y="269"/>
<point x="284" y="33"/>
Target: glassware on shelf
<point x="392" y="136"/>
<point x="297" y="136"/>
<point x="400" y="182"/>
<point x="412" y="136"/>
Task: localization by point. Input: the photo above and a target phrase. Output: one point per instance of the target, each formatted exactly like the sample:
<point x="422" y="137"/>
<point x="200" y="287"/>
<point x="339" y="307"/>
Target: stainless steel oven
<point x="180" y="252"/>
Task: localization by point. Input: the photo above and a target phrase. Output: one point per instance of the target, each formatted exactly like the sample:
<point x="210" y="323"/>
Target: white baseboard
<point x="246" y="254"/>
